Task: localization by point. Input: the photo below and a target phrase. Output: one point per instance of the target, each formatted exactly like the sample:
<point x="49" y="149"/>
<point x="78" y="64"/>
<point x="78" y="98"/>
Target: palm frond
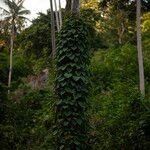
<point x="20" y="2"/>
<point x="24" y="12"/>
<point x="7" y="18"/>
<point x="16" y="10"/>
<point x="20" y="5"/>
<point x="9" y="4"/>
<point x="13" y="6"/>
<point x="5" y="11"/>
<point x="25" y="18"/>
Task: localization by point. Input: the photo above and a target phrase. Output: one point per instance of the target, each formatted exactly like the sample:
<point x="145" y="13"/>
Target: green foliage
<point x="71" y="85"/>
<point x="29" y="122"/>
<point x="91" y="17"/>
<point x="114" y="65"/>
<point x="3" y="99"/>
<point x="146" y="22"/>
<point x="21" y="67"/>
<point x="15" y="13"/>
<point x="119" y="117"/>
<point x="146" y="47"/>
<point x="117" y="20"/>
<point x="3" y="67"/>
<point x="126" y="5"/>
<point x="35" y="41"/>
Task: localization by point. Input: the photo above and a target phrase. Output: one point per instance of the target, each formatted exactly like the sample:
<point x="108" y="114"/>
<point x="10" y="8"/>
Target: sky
<point x="36" y="6"/>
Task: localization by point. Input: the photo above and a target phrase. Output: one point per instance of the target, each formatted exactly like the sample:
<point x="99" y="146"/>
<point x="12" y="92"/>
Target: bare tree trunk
<point x="75" y="6"/>
<point x="57" y="19"/>
<point x="139" y="48"/>
<point x="60" y="14"/>
<point x="53" y="30"/>
<point x="68" y="5"/>
<point x="11" y="56"/>
<point x="120" y="33"/>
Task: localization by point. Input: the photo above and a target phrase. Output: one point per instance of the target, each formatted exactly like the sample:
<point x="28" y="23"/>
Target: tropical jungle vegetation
<point x="76" y="78"/>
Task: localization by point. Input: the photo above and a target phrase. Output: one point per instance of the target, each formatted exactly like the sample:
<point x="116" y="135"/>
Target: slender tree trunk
<point x="53" y="30"/>
<point x="120" y="33"/>
<point x="60" y="14"/>
<point x="57" y="18"/>
<point x="68" y="5"/>
<point x="139" y="48"/>
<point x="11" y="56"/>
<point x="75" y="6"/>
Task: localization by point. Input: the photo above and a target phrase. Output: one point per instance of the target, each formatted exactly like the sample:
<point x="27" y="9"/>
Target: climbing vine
<point x="72" y="61"/>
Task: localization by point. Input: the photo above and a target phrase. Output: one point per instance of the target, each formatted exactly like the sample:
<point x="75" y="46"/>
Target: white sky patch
<point x="36" y="6"/>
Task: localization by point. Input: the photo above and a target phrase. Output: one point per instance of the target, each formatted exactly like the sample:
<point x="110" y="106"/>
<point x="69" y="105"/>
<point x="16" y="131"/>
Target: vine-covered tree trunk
<point x="72" y="61"/>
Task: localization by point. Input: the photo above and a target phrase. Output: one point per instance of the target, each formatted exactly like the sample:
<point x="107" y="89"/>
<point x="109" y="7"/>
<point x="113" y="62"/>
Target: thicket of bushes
<point x="118" y="115"/>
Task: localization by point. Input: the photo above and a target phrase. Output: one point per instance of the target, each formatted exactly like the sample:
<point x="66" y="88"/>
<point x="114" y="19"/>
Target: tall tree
<point x="68" y="5"/>
<point x="72" y="82"/>
<point x="15" y="12"/>
<point x="139" y="47"/>
<point x="53" y="30"/>
<point x="57" y="16"/>
<point x="72" y="6"/>
<point x="60" y="14"/>
<point x="75" y="6"/>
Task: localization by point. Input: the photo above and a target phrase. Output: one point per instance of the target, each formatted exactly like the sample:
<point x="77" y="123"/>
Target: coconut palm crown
<point x="15" y="12"/>
<point x="14" y="16"/>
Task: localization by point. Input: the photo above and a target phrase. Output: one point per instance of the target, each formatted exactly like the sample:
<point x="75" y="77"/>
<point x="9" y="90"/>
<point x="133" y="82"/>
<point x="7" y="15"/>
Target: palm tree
<point x="15" y="12"/>
<point x="139" y="47"/>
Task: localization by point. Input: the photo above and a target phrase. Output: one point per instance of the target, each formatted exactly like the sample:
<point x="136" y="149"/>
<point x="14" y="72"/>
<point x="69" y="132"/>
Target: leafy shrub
<point x="29" y="122"/>
<point x="35" y="41"/>
<point x="119" y="117"/>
